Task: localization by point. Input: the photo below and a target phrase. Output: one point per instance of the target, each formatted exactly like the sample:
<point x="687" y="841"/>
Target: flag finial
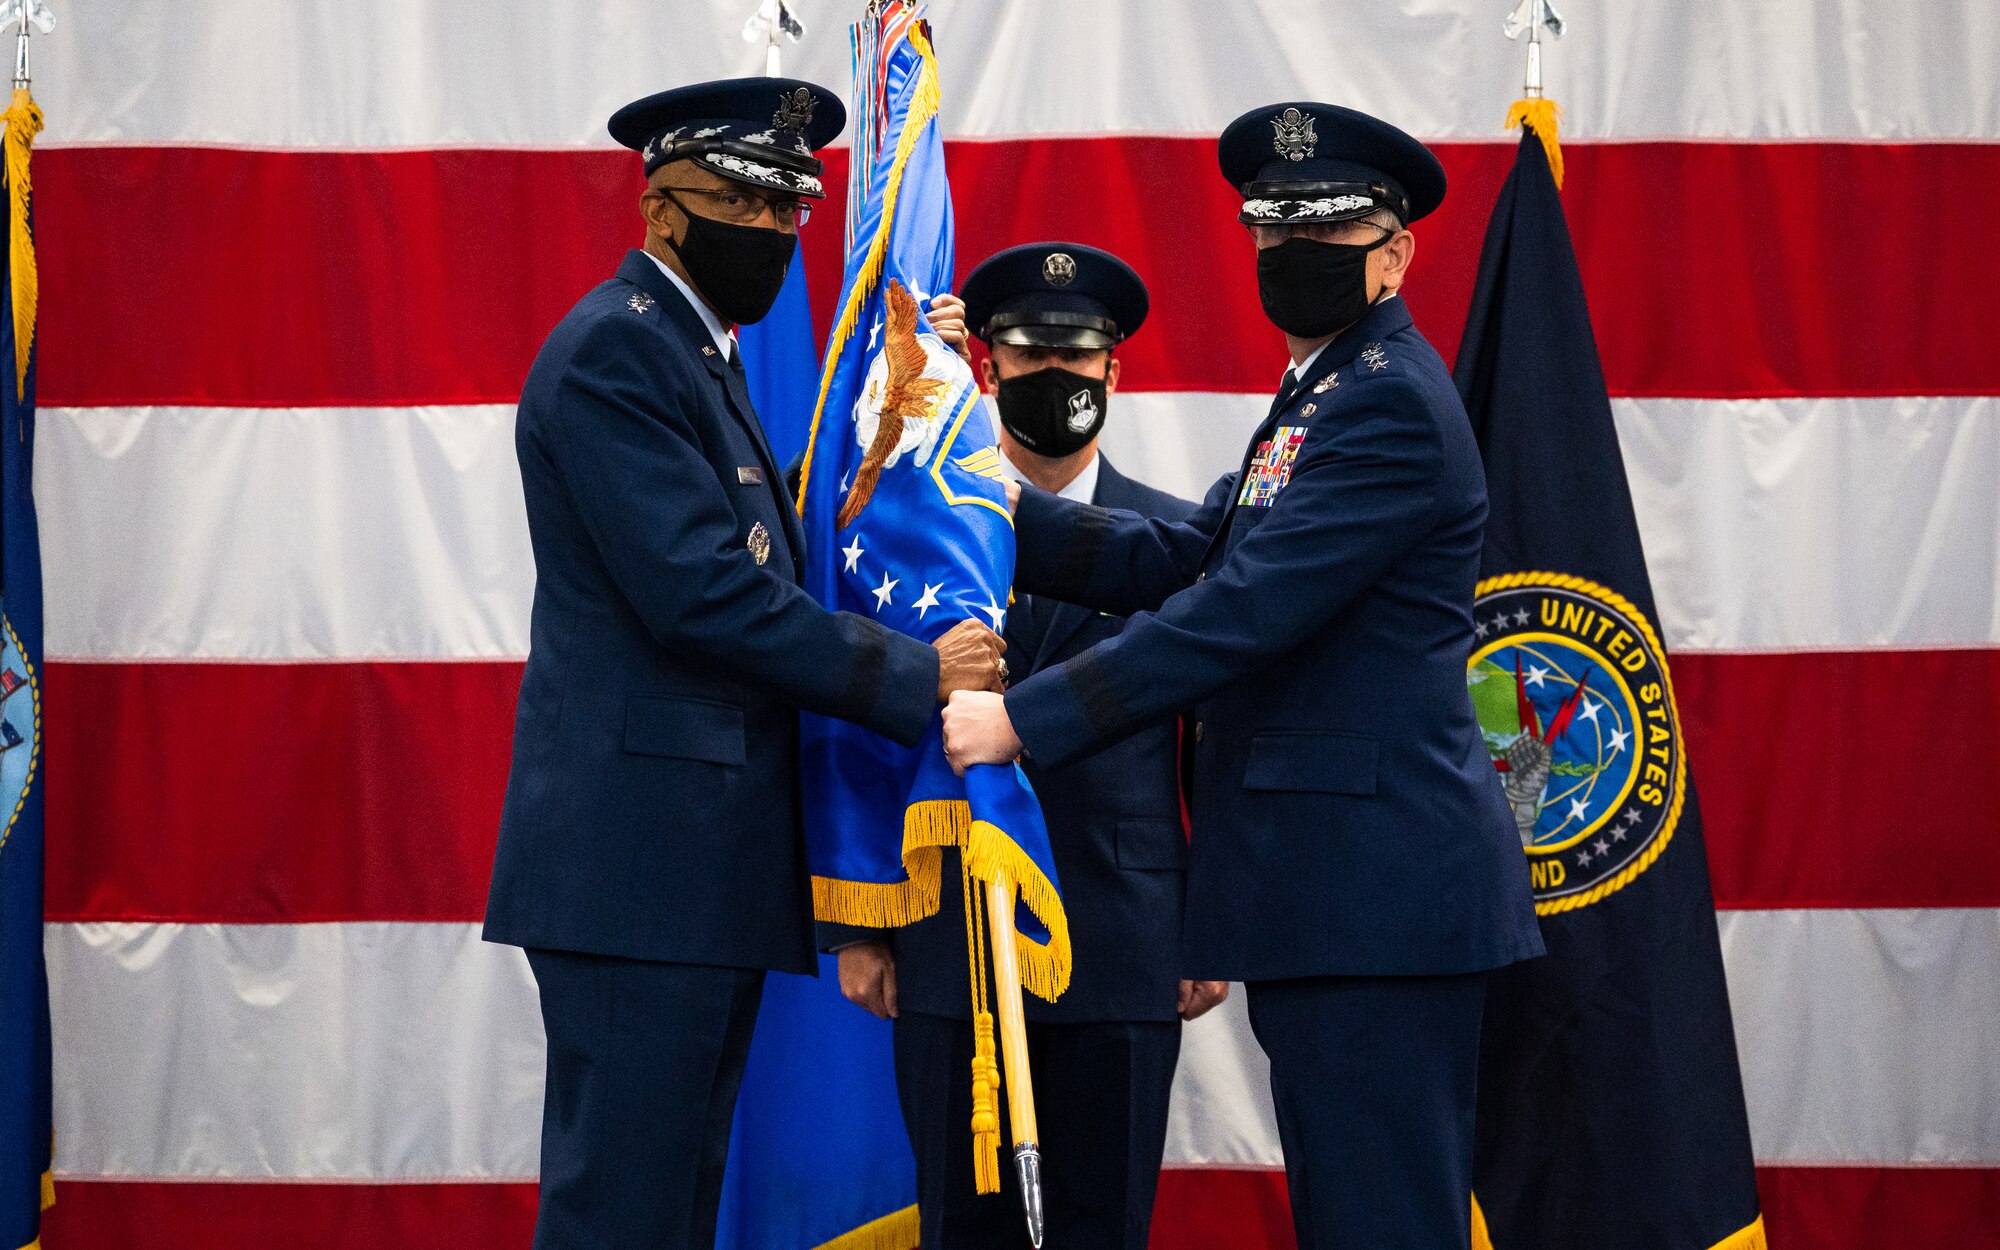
<point x="1534" y="110"/>
<point x="773" y="23"/>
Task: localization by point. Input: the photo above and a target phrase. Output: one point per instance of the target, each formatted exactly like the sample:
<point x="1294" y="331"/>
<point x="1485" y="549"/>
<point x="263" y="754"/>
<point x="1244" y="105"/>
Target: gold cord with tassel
<point x="23" y="119"/>
<point x="985" y="1064"/>
<point x="1541" y="115"/>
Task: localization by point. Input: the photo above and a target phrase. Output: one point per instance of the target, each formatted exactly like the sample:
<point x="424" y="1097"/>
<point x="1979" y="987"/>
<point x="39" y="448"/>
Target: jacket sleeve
<point x="1360" y="499"/>
<point x="630" y="458"/>
<point x="1108" y="559"/>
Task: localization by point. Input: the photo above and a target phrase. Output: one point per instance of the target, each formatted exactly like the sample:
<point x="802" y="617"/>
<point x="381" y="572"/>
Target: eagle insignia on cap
<point x="795" y="110"/>
<point x="1294" y="139"/>
<point x="1059" y="269"/>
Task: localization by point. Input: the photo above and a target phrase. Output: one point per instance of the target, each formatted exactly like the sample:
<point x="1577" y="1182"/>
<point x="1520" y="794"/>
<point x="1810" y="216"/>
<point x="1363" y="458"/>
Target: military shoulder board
<point x="1271" y="468"/>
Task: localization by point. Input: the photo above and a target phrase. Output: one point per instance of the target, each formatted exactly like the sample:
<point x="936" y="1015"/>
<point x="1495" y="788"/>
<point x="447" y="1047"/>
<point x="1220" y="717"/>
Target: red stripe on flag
<point x="218" y="793"/>
<point x="253" y="793"/>
<point x="172" y="1215"/>
<point x="1846" y="779"/>
<point x="360" y="278"/>
<point x="1805" y="1208"/>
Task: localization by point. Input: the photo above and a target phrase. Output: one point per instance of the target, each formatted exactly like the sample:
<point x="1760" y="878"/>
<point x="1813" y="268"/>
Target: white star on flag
<point x="995" y="611"/>
<point x="853" y="553"/>
<point x="1521" y="617"/>
<point x="1618" y="740"/>
<point x="1479" y="629"/>
<point x="1601" y="847"/>
<point x="882" y="592"/>
<point x="929" y="601"/>
<point x="1589" y="710"/>
<point x="1579" y="811"/>
<point x="1536" y="675"/>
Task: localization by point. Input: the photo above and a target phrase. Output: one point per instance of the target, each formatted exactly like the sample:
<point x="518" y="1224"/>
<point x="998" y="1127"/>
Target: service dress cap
<point x="1054" y="295"/>
<point x="1310" y="162"/>
<point x="762" y="131"/>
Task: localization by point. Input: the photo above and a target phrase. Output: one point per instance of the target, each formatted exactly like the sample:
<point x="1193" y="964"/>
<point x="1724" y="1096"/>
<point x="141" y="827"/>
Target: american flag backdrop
<point x="296" y="257"/>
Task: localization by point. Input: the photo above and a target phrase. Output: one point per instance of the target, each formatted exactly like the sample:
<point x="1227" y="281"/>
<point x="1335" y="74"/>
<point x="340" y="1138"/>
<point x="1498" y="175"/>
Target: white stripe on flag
<point x="403" y="1051"/>
<point x="352" y="533"/>
<point x="365" y="73"/>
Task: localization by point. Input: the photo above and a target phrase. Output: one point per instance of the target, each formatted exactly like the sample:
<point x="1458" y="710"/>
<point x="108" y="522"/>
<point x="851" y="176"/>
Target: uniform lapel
<point x="1068" y="618"/>
<point x="639" y="269"/>
<point x="1382" y="320"/>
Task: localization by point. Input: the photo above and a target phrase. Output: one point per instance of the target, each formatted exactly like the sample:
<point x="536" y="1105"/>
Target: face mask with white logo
<point x="1052" y="412"/>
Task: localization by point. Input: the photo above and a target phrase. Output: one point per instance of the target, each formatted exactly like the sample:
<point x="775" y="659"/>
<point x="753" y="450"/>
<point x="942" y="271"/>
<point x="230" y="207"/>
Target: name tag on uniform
<point x="751" y="476"/>
<point x="1271" y="468"/>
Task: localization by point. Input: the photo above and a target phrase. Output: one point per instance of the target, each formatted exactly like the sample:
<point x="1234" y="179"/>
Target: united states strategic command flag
<point x="1610" y="1104"/>
<point x="25" y="1144"/>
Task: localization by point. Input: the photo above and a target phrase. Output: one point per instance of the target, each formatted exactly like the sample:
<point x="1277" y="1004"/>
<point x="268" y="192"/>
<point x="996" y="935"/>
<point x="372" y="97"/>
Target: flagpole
<point x="1014" y="1050"/>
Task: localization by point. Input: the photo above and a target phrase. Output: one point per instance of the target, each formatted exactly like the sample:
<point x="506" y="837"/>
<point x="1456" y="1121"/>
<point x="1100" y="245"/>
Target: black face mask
<point x="1311" y="289"/>
<point x="1052" y="412"/>
<point x="738" y="269"/>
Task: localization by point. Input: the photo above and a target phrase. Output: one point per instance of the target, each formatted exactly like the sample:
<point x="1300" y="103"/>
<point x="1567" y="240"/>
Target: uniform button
<point x="1197" y="731"/>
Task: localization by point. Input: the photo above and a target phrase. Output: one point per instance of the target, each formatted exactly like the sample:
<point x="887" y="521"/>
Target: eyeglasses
<point x="1318" y="231"/>
<point x="740" y="208"/>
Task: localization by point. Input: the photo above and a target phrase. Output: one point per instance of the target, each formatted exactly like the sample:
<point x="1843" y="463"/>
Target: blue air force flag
<point x="1610" y="1106"/>
<point x="906" y="521"/>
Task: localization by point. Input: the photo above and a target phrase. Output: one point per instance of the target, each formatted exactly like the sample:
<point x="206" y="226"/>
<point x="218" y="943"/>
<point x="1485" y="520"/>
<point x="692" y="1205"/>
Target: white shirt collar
<point x="716" y="330"/>
<point x="1082" y="488"/>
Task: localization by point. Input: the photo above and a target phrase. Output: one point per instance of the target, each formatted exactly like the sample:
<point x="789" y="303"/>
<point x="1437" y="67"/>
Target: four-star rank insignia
<point x="759" y="543"/>
<point x="639" y="302"/>
<point x="1570" y="686"/>
<point x="1374" y="357"/>
<point x="1294" y="139"/>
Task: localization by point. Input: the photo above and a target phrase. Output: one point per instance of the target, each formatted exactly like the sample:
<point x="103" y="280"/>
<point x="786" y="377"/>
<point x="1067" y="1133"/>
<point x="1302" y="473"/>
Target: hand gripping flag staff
<point x="906" y="521"/>
<point x="1611" y="1108"/>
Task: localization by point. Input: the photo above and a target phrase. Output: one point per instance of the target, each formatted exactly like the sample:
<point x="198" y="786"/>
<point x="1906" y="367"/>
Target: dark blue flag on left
<point x="26" y="1142"/>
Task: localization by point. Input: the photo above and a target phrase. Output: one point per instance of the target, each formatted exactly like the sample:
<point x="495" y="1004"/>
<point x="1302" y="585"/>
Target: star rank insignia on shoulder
<point x="640" y="302"/>
<point x="1374" y="357"/>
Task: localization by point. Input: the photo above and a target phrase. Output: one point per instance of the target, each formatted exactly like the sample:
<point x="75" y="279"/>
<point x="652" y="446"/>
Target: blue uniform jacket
<point x="652" y="810"/>
<point x="1347" y="816"/>
<point x="1115" y="826"/>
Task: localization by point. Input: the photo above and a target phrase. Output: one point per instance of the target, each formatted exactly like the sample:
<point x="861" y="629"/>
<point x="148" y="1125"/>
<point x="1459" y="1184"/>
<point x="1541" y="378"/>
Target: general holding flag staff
<point x="1353" y="859"/>
<point x="651" y="853"/>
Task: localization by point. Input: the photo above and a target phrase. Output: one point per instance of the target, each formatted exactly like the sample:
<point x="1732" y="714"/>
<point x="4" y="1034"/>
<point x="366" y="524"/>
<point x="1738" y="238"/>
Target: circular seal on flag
<point x="20" y="726"/>
<point x="1570" y="685"/>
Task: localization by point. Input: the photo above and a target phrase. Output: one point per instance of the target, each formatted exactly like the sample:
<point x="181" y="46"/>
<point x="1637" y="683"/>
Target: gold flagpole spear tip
<point x="1534" y="110"/>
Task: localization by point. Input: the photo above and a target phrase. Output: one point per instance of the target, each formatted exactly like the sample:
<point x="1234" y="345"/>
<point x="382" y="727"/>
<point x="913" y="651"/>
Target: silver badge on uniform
<point x="749" y="475"/>
<point x="1059" y="269"/>
<point x="1308" y="410"/>
<point x="1082" y="412"/>
<point x="1326" y="384"/>
<point x="760" y="543"/>
<point x="1294" y="139"/>
<point x="639" y="302"/>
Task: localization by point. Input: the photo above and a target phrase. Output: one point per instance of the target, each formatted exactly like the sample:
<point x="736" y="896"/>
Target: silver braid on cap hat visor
<point x="1282" y="203"/>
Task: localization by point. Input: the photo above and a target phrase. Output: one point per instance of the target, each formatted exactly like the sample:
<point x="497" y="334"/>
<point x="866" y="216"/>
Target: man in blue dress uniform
<point x="651" y="857"/>
<point x="1103" y="1057"/>
<point x="1354" y="860"/>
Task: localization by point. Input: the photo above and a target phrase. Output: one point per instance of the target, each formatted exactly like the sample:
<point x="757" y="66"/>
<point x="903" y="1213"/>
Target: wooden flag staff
<point x="1014" y="1050"/>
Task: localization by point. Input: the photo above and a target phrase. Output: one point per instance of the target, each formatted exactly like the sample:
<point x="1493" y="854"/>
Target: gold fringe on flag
<point x="1542" y="116"/>
<point x="897" y="1230"/>
<point x="23" y="120"/>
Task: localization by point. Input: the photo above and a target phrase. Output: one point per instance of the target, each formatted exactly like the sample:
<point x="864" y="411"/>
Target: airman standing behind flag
<point x="1353" y="857"/>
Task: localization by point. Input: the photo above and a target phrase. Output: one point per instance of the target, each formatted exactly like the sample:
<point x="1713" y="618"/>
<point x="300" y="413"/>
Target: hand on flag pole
<point x="969" y="659"/>
<point x="978" y="731"/>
